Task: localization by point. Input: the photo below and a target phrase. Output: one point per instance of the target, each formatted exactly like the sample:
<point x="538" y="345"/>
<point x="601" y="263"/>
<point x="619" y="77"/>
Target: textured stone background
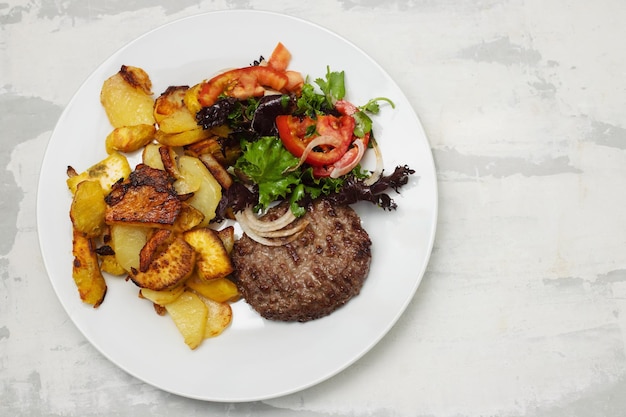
<point x="522" y="309"/>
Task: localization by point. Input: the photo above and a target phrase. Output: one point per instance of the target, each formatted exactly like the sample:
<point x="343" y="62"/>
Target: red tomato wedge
<point x="327" y="144"/>
<point x="279" y="60"/>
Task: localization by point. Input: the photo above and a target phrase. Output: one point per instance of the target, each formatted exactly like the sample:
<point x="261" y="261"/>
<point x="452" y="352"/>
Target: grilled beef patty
<point x="310" y="277"/>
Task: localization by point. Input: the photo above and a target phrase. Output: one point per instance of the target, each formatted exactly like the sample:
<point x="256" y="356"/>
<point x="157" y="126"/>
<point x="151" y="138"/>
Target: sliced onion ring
<point x="284" y="232"/>
<point x="378" y="171"/>
<point x="318" y="141"/>
<point x="261" y="226"/>
<point x="254" y="235"/>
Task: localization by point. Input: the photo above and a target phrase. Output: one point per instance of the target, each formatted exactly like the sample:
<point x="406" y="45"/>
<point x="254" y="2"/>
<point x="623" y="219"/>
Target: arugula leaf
<point x="266" y="162"/>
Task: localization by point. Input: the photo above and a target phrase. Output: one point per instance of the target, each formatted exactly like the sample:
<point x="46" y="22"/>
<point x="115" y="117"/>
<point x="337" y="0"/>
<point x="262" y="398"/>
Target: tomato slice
<point x="242" y="83"/>
<point x="345" y="164"/>
<point x="279" y="60"/>
<point x="293" y="133"/>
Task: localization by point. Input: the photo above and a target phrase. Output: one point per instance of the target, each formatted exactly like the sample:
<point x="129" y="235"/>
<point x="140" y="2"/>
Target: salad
<point x="295" y="142"/>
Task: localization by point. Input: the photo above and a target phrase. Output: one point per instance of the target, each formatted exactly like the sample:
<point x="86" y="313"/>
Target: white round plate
<point x="253" y="359"/>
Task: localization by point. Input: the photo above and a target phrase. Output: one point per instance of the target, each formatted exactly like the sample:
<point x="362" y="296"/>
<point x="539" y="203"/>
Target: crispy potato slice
<point x="86" y="271"/>
<point x="146" y="198"/>
<point x="127" y="242"/>
<point x="227" y="235"/>
<point x="162" y="297"/>
<point x="217" y="170"/>
<point x="171" y="113"/>
<point x="219" y="289"/>
<point x="207" y="197"/>
<point x="129" y="138"/>
<point x="109" y="264"/>
<point x="169" y="158"/>
<point x="213" y="260"/>
<point x="185" y="138"/>
<point x="188" y="218"/>
<point x="190" y="315"/>
<point x="156" y="243"/>
<point x="127" y="97"/>
<point x="88" y="209"/>
<point x="108" y="171"/>
<point x="169" y="268"/>
<point x="219" y="317"/>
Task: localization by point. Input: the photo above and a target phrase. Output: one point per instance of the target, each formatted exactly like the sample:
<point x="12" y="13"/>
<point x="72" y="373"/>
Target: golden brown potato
<point x="127" y="97"/>
<point x="213" y="260"/>
<point x="217" y="170"/>
<point x="227" y="235"/>
<point x="191" y="99"/>
<point x="185" y="138"/>
<point x="108" y="171"/>
<point x="157" y="242"/>
<point x="88" y="209"/>
<point x="109" y="264"/>
<point x="219" y="317"/>
<point x="146" y="198"/>
<point x="85" y="270"/>
<point x="169" y="268"/>
<point x="188" y="218"/>
<point x="162" y="297"/>
<point x="220" y="289"/>
<point x="129" y="138"/>
<point x="171" y="113"/>
<point x="189" y="314"/>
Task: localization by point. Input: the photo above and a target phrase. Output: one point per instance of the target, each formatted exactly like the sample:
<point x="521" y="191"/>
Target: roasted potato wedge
<point x="171" y="113"/>
<point x="217" y="170"/>
<point x="219" y="289"/>
<point x="88" y="209"/>
<point x="109" y="264"/>
<point x="213" y="260"/>
<point x="219" y="317"/>
<point x="129" y="138"/>
<point x="227" y="235"/>
<point x="169" y="268"/>
<point x="188" y="218"/>
<point x="162" y="297"/>
<point x="108" y="171"/>
<point x="127" y="97"/>
<point x="86" y="271"/>
<point x="157" y="242"/>
<point x="190" y="315"/>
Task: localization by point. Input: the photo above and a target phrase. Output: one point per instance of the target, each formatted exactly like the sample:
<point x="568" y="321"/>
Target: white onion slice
<point x="284" y="232"/>
<point x="261" y="226"/>
<point x="378" y="171"/>
<point x="252" y="234"/>
<point x="318" y="141"/>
